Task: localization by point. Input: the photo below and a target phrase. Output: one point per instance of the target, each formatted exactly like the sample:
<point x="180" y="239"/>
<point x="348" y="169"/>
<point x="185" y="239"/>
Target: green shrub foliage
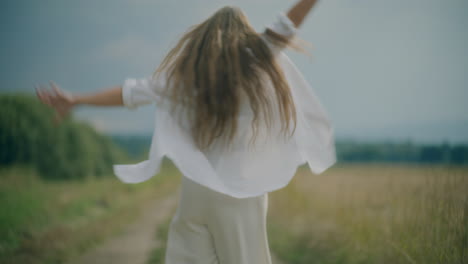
<point x="69" y="150"/>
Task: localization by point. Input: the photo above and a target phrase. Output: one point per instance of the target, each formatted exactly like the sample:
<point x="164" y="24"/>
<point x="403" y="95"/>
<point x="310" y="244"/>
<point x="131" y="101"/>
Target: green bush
<point x="70" y="150"/>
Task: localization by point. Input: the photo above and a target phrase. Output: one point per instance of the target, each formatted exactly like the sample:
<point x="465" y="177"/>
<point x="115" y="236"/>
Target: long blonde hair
<point x="212" y="65"/>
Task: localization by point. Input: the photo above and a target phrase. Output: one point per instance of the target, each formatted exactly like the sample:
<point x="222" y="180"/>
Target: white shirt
<point x="240" y="171"/>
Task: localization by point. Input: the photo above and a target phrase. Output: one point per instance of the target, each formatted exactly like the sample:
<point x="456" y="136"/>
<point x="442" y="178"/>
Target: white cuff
<point x="127" y="93"/>
<point x="283" y="26"/>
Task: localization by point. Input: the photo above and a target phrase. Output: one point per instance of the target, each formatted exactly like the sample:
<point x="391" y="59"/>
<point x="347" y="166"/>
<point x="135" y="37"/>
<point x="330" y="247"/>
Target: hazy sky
<point x="382" y="69"/>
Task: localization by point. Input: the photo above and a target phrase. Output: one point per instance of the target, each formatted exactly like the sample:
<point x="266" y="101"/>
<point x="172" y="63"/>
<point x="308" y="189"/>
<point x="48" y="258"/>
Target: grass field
<point x="51" y="222"/>
<point x="369" y="213"/>
<point x="372" y="214"/>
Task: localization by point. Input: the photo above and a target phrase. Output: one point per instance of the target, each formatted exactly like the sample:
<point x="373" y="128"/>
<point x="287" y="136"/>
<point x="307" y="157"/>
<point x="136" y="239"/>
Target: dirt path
<point x="135" y="242"/>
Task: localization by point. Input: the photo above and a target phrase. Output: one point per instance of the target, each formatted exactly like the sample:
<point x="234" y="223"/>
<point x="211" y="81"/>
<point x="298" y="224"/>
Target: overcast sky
<point x="384" y="70"/>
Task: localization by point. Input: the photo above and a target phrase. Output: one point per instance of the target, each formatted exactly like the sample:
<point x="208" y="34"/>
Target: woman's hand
<point x="61" y="101"/>
<point x="299" y="11"/>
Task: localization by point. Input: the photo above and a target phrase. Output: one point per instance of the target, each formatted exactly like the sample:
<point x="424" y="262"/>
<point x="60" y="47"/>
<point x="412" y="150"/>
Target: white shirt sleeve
<point x="136" y="92"/>
<point x="283" y="26"/>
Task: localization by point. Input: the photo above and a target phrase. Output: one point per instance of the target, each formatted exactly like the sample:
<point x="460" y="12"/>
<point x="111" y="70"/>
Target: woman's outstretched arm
<point x="299" y="11"/>
<point x="108" y="97"/>
<point x="285" y="27"/>
<point x="63" y="102"/>
<point x="131" y="94"/>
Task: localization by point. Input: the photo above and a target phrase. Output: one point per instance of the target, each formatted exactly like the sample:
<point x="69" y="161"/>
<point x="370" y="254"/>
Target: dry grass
<point x="372" y="214"/>
<point x="49" y="222"/>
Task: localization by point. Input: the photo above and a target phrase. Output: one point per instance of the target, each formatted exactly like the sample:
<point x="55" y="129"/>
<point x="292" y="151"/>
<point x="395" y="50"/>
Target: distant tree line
<point x="74" y="150"/>
<point x="349" y="151"/>
<point x="69" y="150"/>
<point x="136" y="146"/>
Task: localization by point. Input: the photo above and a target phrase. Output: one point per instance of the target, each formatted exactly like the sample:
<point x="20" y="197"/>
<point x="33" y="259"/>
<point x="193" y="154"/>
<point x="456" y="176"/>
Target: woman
<point x="237" y="118"/>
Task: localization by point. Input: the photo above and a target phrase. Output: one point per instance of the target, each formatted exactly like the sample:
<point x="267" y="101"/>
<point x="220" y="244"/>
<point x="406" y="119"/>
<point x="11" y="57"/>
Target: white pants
<point x="213" y="228"/>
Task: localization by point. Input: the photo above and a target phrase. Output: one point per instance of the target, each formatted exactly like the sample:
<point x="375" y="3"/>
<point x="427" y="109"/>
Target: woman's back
<point x="236" y="117"/>
<point x="257" y="158"/>
<point x="218" y="65"/>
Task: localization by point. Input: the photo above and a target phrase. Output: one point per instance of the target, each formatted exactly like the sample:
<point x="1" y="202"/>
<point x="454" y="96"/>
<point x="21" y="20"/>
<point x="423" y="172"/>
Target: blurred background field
<point x="373" y="213"/>
<point x="383" y="202"/>
<point x="367" y="213"/>
<point x="50" y="222"/>
<point x="58" y="196"/>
